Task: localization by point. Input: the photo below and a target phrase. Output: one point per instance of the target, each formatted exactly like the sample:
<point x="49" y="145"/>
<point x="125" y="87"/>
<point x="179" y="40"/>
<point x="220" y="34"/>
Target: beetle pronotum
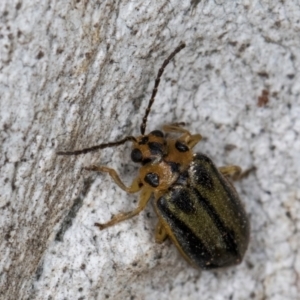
<point x="196" y="204"/>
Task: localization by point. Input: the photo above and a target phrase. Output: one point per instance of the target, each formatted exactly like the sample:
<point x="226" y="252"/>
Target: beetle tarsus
<point x="100" y="226"/>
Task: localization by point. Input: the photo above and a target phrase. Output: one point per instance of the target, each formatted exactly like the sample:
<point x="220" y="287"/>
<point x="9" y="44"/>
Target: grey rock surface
<point x="78" y="73"/>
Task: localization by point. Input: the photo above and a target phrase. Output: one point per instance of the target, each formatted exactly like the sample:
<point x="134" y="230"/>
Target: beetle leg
<point x="236" y="172"/>
<point x="133" y="188"/>
<point x="175" y="128"/>
<point x="193" y="140"/>
<point x="190" y="139"/>
<point x="160" y="233"/>
<point x="144" y="198"/>
<point x="231" y="171"/>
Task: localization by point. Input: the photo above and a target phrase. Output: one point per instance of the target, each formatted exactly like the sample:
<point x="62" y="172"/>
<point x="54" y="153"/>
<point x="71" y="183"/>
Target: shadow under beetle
<point x="196" y="204"/>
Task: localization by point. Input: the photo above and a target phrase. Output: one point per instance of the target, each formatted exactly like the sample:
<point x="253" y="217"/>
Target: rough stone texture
<point x="77" y="73"/>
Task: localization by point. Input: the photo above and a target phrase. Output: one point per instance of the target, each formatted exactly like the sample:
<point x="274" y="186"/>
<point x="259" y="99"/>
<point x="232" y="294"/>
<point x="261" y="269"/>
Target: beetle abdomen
<point x="204" y="216"/>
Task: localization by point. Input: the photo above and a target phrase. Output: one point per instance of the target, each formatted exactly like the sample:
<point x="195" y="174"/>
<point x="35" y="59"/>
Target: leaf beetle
<point x="197" y="206"/>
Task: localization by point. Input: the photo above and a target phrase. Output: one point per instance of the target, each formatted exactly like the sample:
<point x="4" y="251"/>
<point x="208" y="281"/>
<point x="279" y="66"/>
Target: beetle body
<point x="204" y="217"/>
<point x="196" y="204"/>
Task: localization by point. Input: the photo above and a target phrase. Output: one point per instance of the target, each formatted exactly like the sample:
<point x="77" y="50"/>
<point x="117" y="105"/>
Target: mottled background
<point x="77" y="73"/>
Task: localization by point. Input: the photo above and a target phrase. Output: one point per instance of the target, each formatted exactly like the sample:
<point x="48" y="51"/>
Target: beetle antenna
<point x="98" y="147"/>
<point x="156" y="84"/>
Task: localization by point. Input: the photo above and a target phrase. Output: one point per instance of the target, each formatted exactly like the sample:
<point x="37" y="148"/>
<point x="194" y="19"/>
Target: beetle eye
<point x="136" y="155"/>
<point x="157" y="133"/>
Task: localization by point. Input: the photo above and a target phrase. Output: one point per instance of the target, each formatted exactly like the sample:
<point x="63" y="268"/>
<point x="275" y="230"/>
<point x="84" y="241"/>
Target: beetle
<point x="197" y="206"/>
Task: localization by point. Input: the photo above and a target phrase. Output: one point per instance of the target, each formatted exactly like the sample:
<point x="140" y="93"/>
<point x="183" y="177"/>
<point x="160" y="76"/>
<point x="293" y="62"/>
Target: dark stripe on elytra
<point x="226" y="234"/>
<point x="203" y="176"/>
<point x="229" y="190"/>
<point x="181" y="198"/>
<point x="236" y="204"/>
<point x="188" y="241"/>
